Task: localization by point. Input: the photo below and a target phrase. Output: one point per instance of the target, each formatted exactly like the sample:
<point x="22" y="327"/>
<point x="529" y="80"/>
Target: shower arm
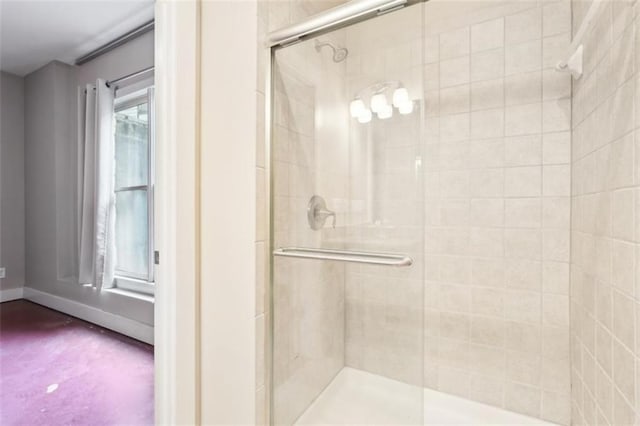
<point x="320" y="44"/>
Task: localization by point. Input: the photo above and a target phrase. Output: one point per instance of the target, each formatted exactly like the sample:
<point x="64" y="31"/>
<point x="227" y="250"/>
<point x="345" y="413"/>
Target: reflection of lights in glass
<point x="357" y="107"/>
<point x="385" y="113"/>
<point x="378" y="102"/>
<point x="400" y="97"/>
<point x="365" y="116"/>
<point x="406" y="107"/>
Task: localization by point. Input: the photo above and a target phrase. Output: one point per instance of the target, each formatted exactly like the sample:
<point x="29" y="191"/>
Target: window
<point x="134" y="191"/>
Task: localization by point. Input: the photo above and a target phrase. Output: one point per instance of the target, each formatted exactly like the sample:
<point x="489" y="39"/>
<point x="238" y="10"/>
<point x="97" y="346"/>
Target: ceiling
<point x="33" y="33"/>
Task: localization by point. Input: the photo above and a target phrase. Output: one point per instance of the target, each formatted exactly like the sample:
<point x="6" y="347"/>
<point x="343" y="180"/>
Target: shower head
<point x="339" y="53"/>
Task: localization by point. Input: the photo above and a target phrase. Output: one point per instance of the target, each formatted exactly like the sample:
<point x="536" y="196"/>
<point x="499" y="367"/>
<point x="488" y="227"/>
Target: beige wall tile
<point x="555" y="85"/>
<point x="523" y="399"/>
<point x="524" y="274"/>
<point x="523" y="57"/>
<point x="487" y="94"/>
<point x="523" y="182"/>
<point x="553" y="48"/>
<point x="523" y="306"/>
<point x="523" y="88"/>
<point x="488" y="212"/>
<point x="556" y="212"/>
<point x="556" y="407"/>
<point x="523" y="212"/>
<point x="556" y="148"/>
<point x="556" y="18"/>
<point x="523" y="119"/>
<point x="455" y="99"/>
<point x="487" y="65"/>
<point x="454" y="43"/>
<point x="454" y="71"/>
<point x="555" y="310"/>
<point x="524" y="26"/>
<point x="624" y="372"/>
<point x="556" y="115"/>
<point x="523" y="150"/>
<point x="487" y="35"/>
<point x="493" y="279"/>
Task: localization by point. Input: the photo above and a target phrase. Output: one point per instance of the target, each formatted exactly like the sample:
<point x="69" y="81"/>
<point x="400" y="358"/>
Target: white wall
<point x="177" y="298"/>
<point x="12" y="180"/>
<point x="228" y="211"/>
<point x="51" y="167"/>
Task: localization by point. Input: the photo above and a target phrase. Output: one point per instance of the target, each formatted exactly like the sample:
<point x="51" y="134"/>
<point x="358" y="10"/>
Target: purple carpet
<point x="59" y="370"/>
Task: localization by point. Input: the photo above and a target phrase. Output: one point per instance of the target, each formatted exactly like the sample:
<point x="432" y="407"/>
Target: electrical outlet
<point x="2" y="272"/>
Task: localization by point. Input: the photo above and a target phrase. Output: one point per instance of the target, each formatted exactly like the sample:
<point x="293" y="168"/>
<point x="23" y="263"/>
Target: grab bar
<point x="345" y="256"/>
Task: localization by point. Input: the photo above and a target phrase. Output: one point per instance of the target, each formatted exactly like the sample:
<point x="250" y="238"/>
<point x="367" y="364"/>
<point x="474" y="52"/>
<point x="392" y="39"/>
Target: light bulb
<point x="400" y="96"/>
<point x="406" y="107"/>
<point x="378" y="102"/>
<point x="356" y="107"/>
<point x="385" y="113"/>
<point x="365" y="116"/>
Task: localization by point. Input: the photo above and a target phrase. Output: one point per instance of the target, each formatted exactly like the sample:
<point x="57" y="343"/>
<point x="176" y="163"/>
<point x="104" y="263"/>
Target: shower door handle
<point x="371" y="258"/>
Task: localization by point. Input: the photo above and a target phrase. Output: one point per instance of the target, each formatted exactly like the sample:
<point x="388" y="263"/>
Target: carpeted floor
<point x="59" y="370"/>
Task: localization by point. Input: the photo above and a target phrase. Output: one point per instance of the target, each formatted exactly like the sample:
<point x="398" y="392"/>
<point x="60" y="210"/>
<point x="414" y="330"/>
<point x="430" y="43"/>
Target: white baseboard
<point x="122" y="325"/>
<point x="11" y="294"/>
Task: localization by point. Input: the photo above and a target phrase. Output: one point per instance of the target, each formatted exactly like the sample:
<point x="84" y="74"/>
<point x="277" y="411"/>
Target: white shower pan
<point x="356" y="397"/>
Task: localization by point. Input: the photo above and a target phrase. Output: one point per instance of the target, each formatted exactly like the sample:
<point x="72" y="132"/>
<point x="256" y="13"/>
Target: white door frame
<point x="205" y="337"/>
<point x="177" y="227"/>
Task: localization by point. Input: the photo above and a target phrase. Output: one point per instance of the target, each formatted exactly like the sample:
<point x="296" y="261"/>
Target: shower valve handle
<point x="323" y="214"/>
<point x="317" y="213"/>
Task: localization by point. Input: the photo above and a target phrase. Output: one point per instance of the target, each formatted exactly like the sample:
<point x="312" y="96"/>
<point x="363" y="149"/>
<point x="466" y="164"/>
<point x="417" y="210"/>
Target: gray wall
<point x="126" y="59"/>
<point x="51" y="170"/>
<point x="12" y="254"/>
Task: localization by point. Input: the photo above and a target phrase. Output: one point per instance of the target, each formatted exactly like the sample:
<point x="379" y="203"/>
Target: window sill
<point x="132" y="287"/>
<point x="132" y="294"/>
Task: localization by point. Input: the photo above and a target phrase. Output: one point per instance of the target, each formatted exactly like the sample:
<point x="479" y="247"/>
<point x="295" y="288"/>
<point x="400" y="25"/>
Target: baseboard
<point x="122" y="325"/>
<point x="11" y="294"/>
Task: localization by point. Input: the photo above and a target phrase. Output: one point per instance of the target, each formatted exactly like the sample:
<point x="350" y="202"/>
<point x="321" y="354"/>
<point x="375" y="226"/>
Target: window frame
<point x="126" y="280"/>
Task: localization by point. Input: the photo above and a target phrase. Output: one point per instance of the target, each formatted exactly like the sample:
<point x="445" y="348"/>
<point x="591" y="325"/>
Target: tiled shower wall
<point x="497" y="185"/>
<point x="605" y="250"/>
<point x="384" y="304"/>
<point x="304" y="373"/>
<point x="309" y="156"/>
<point x="497" y="202"/>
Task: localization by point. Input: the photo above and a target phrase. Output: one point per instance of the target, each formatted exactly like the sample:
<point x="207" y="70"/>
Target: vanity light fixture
<point x="357" y="107"/>
<point x="406" y="108"/>
<point x="385" y="113"/>
<point x="379" y="101"/>
<point x="365" y="116"/>
<point x="400" y="97"/>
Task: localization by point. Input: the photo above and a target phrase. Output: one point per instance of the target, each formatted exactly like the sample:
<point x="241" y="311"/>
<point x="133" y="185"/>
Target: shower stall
<point x="419" y="205"/>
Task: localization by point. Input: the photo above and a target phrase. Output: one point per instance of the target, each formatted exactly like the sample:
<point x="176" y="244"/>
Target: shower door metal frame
<point x="348" y="14"/>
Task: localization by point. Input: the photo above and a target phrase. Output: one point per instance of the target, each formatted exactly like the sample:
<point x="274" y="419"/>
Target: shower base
<point x="358" y="397"/>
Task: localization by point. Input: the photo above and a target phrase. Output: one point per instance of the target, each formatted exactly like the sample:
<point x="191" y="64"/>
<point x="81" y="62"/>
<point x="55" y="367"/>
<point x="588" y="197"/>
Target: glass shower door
<point x="347" y="231"/>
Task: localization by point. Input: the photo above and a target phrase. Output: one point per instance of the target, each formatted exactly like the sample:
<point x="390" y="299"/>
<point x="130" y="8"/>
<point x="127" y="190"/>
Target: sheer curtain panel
<point x="96" y="183"/>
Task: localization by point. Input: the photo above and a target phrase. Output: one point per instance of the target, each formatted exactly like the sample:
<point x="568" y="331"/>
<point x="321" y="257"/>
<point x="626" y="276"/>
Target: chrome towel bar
<point x="370" y="258"/>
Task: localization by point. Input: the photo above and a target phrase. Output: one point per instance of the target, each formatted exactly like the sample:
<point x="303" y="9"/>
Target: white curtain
<point x="96" y="201"/>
